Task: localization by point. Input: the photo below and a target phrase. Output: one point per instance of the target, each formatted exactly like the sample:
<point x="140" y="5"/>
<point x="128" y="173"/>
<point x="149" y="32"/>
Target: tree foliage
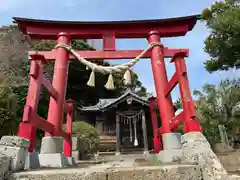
<point x="223" y="43"/>
<point x="88" y="136"/>
<point x="8" y="111"/>
<point x="219" y="105"/>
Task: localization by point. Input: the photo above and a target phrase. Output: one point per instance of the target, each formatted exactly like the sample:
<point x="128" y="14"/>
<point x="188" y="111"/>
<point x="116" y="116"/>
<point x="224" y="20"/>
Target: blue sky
<point x="100" y="10"/>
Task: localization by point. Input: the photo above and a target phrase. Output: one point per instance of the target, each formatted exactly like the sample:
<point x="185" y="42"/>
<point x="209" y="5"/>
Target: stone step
<point x="107" y="143"/>
<point x="114" y="170"/>
<point x="108" y="140"/>
<point x="102" y="136"/>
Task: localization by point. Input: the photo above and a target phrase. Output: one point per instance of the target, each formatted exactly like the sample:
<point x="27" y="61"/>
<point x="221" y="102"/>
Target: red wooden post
<point x="156" y="140"/>
<point x="25" y="129"/>
<point x="190" y="123"/>
<point x="56" y="107"/>
<point x="157" y="144"/>
<point x="160" y="78"/>
<point x="68" y="141"/>
<point x="153" y="113"/>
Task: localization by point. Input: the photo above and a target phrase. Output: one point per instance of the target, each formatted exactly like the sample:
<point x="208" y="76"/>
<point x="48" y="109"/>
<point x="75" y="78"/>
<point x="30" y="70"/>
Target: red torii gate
<point x="65" y="31"/>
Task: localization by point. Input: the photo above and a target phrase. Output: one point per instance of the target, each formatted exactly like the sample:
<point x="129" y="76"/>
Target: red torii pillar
<point x="191" y="123"/>
<point x="171" y="141"/>
<point x="156" y="140"/>
<point x="56" y="106"/>
<point x="26" y="130"/>
<point x="52" y="143"/>
<point x="160" y="79"/>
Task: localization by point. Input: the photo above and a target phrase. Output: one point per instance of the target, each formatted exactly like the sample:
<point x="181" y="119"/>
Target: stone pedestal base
<point x="51" y="154"/>
<point x="15" y="148"/>
<point x="196" y="149"/>
<point x="32" y="161"/>
<point x="76" y="155"/>
<point x="172" y="148"/>
<point x="171" y="141"/>
<point x="51" y="144"/>
<point x="169" y="156"/>
<point x="71" y="161"/>
<point x="75" y="144"/>
<point x="56" y="160"/>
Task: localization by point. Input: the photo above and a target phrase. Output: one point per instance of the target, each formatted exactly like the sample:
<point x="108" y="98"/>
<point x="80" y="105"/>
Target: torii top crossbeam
<point x="46" y="29"/>
<point x="109" y="32"/>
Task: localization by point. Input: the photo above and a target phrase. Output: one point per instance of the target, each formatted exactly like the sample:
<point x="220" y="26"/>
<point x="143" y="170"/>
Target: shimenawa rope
<point x="109" y="69"/>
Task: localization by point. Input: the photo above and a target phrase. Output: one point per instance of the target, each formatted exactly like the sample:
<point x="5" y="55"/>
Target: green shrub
<point x="88" y="137"/>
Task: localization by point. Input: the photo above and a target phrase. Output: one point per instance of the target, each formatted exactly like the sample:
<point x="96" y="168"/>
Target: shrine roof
<point x="47" y="29"/>
<point x="103" y="104"/>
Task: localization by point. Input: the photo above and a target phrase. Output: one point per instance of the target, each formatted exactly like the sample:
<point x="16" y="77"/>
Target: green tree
<point x="178" y="104"/>
<point x="223" y="43"/>
<point x="8" y="111"/>
<point x="219" y="105"/>
<point x="88" y="137"/>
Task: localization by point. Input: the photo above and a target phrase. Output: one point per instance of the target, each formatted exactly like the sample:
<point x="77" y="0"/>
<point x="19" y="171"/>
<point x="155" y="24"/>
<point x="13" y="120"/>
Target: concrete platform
<point x="107" y="171"/>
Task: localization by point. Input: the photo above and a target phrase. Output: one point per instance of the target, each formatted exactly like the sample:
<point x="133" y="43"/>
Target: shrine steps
<point x="107" y="143"/>
<point x="125" y="151"/>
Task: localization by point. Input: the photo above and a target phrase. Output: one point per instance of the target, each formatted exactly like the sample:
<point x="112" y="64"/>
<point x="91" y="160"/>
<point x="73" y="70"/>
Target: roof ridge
<point x="105" y="103"/>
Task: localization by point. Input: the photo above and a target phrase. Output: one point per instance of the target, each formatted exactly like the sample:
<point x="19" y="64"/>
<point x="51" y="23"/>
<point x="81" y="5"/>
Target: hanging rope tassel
<point x="135" y="132"/>
<point x="127" y="78"/>
<point x="110" y="82"/>
<point x="91" y="81"/>
<point x="130" y="130"/>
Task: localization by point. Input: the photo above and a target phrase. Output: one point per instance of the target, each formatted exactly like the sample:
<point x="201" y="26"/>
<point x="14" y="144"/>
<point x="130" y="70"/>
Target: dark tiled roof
<point x="124" y="28"/>
<point x="106" y="103"/>
<point x="134" y="22"/>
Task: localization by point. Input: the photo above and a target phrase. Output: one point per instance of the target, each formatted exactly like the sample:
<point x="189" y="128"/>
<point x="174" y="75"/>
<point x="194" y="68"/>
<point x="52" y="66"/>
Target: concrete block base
<point x="171" y="141"/>
<point x="75" y="143"/>
<point x="76" y="155"/>
<point x="56" y="160"/>
<point x="71" y="161"/>
<point x="169" y="156"/>
<point x="52" y="153"/>
<point x="172" y="148"/>
<point x="32" y="161"/>
<point x="51" y="144"/>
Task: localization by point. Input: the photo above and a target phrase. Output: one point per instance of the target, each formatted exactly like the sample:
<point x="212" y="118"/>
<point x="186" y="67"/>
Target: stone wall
<point x="197" y="150"/>
<point x="4" y="165"/>
<point x="13" y="153"/>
